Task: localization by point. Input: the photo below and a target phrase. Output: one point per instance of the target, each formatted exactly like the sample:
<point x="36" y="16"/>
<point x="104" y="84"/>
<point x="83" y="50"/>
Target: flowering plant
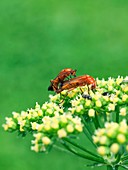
<point x="102" y="118"/>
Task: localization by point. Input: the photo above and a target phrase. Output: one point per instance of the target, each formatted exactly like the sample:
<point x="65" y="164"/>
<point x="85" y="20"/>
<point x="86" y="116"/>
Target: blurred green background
<point x="40" y="38"/>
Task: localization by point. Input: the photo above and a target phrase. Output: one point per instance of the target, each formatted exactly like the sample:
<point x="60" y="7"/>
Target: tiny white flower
<point x="114" y="148"/>
<point x="62" y="133"/>
<point x="91" y="112"/>
<point x="123" y="111"/>
<point x="46" y="140"/>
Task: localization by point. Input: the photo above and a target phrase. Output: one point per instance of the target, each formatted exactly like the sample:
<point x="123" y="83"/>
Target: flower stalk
<point x="109" y="167"/>
<point x="82" y="148"/>
<point x="81" y="154"/>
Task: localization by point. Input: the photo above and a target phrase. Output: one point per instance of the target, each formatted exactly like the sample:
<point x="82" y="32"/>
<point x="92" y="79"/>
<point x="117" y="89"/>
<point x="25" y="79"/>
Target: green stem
<point x="117" y="114"/>
<point x="90" y="131"/>
<point x="109" y="167"/>
<point x="125" y="162"/>
<point x="96" y="121"/>
<point x="80" y="154"/>
<point x="105" y="116"/>
<point x="118" y="158"/>
<point x="87" y="131"/>
<point x="124" y="157"/>
<point x="82" y="148"/>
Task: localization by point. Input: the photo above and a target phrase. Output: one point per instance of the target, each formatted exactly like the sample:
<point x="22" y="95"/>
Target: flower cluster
<point x="22" y="121"/>
<point x="52" y="128"/>
<point x="101" y="114"/>
<point x="110" y="96"/>
<point x="47" y="123"/>
<point x="112" y="138"/>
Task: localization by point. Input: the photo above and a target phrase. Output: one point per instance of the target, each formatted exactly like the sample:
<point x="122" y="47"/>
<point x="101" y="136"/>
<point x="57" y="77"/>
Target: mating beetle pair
<point x="60" y="83"/>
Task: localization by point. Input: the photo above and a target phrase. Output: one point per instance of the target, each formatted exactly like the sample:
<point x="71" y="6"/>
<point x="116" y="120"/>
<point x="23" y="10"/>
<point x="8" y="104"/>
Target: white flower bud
<point x="114" y="148"/>
<point x="91" y="112"/>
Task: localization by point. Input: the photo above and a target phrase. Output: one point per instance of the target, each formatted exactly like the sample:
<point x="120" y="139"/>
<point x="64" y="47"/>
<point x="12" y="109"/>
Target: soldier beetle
<point x="77" y="82"/>
<point x="57" y="82"/>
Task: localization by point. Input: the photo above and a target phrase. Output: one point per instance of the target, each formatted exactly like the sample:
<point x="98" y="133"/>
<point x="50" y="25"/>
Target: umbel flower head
<point x="47" y="123"/>
<point x="102" y="117"/>
<point x="112" y="138"/>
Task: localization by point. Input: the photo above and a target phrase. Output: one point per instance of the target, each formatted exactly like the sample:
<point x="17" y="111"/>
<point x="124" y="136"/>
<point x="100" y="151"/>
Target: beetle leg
<point x="81" y="90"/>
<point x="88" y="90"/>
<point x="65" y="96"/>
<point x="61" y="102"/>
<point x="87" y="96"/>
